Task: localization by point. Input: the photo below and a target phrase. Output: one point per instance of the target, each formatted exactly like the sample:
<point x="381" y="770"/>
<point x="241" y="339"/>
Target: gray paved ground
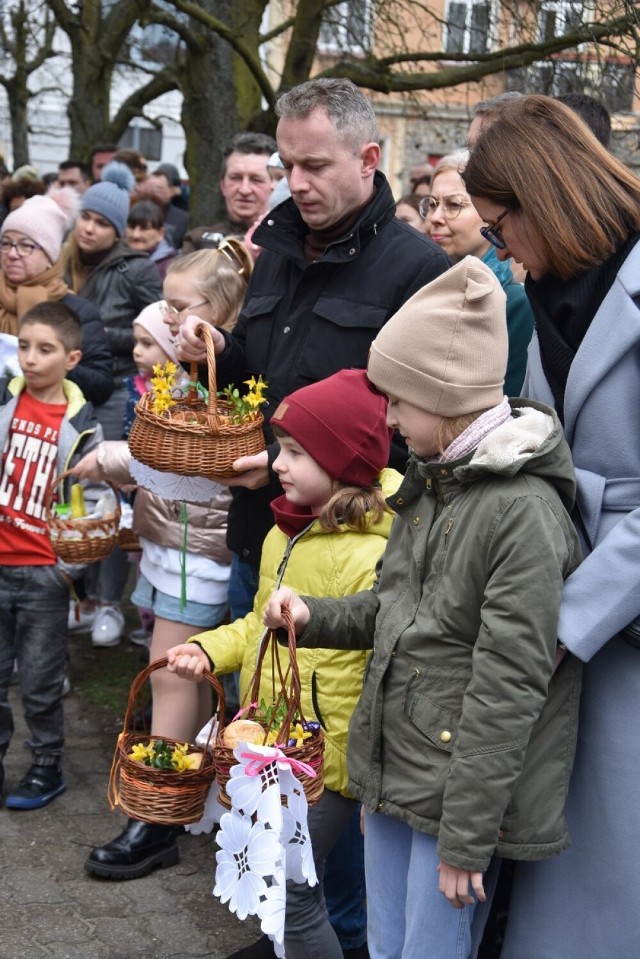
<point x="50" y="908"/>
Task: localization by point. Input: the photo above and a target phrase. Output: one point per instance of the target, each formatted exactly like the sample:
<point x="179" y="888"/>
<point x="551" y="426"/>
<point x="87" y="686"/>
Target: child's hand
<point x="188" y="661"/>
<point x="88" y="467"/>
<point x="189" y="345"/>
<point x="272" y="616"/>
<point x="454" y="884"/>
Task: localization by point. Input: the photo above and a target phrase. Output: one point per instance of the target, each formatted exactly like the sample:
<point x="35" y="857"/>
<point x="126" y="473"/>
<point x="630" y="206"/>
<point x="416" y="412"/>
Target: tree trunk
<point x="209" y="115"/>
<point x="18" y="99"/>
<point x="88" y="107"/>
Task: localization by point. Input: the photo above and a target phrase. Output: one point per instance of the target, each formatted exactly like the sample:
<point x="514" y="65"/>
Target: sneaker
<point x="107" y="626"/>
<point x="80" y="618"/>
<point x="140" y="637"/>
<point x="38" y="787"/>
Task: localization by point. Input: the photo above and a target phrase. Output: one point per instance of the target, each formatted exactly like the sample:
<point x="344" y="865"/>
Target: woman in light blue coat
<point x="556" y="201"/>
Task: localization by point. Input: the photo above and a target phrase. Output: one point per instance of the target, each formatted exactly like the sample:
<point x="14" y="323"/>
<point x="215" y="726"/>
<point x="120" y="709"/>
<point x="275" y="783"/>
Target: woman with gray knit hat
<point x="31" y="273"/>
<point x="461" y="745"/>
<point x="120" y="282"/>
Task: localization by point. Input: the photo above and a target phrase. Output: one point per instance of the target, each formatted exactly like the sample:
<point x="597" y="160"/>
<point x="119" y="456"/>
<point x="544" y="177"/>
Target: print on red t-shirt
<point x="28" y="466"/>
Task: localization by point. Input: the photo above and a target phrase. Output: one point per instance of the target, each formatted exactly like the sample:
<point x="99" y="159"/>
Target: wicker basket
<point x="78" y="539"/>
<point x="194" y="438"/>
<point x="128" y="540"/>
<point x="310" y="752"/>
<point x="159" y="795"/>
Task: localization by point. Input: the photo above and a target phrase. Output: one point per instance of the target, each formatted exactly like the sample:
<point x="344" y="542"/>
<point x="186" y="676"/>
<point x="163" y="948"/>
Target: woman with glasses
<point x="31" y="273"/>
<point x="554" y="198"/>
<point x="119" y="282"/>
<point x="453" y="223"/>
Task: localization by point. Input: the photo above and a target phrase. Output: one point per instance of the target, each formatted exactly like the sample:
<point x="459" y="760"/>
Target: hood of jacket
<point x="531" y="441"/>
<point x="73" y="394"/>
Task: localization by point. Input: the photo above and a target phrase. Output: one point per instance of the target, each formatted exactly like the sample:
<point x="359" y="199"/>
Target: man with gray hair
<point x="246" y="186"/>
<point x="335" y="265"/>
<point x="486" y="111"/>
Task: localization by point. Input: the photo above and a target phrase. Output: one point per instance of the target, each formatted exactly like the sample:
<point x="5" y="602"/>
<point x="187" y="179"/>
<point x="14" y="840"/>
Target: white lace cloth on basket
<point x="263" y="843"/>
<point x="194" y="489"/>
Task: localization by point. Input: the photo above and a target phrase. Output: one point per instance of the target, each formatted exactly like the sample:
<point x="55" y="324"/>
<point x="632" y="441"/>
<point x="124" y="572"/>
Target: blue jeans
<point x="243" y="586"/>
<point x="344" y="885"/>
<point x="408" y="917"/>
<point x="34" y="606"/>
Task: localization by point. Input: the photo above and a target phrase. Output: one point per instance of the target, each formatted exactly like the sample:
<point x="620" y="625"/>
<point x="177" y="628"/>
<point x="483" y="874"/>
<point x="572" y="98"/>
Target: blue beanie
<point x="110" y="197"/>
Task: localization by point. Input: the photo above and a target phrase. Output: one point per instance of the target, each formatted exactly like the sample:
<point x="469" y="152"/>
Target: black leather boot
<point x="136" y="851"/>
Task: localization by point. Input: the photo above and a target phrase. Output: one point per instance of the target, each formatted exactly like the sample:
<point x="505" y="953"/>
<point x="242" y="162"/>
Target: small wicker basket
<point x="78" y="539"/>
<point x="159" y="795"/>
<point x="311" y="752"/>
<point x="128" y="540"/>
<point x="194" y="438"/>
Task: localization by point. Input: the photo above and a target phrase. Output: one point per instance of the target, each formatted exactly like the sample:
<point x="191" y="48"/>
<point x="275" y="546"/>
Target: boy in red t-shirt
<point x="45" y="423"/>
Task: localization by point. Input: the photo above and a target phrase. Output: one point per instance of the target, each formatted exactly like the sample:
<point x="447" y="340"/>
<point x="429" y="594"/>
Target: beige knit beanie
<point x="445" y="350"/>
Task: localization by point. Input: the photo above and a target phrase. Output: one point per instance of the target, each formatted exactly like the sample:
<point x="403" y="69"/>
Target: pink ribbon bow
<point x="260" y="762"/>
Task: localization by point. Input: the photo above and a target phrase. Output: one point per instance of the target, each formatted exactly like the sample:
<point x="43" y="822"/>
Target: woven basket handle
<point x="292" y="694"/>
<point x="59" y="481"/>
<point x="203" y="330"/>
<point x="144" y="675"/>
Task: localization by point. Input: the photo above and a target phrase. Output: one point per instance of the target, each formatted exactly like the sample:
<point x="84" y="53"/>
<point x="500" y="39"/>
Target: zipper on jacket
<point x="314" y="699"/>
<point x="75" y="446"/>
<point x="447" y="530"/>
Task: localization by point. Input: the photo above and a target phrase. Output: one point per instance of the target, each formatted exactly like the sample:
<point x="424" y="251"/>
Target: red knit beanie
<point x="341" y="422"/>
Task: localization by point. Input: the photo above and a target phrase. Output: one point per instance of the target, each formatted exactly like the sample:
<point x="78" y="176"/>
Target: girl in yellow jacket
<point x="331" y="528"/>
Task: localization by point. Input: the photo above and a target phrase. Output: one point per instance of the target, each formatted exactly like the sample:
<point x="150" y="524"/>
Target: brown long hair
<point x="541" y="162"/>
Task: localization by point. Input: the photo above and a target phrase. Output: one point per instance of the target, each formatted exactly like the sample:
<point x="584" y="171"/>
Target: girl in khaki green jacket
<point x="462" y="743"/>
<point x="331" y="529"/>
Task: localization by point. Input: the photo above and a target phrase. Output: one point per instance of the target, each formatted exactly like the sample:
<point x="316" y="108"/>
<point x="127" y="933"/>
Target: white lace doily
<point x="193" y="489"/>
<point x="263" y="843"/>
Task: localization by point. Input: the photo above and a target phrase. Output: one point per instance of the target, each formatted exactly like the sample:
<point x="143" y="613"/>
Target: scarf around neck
<point x="16" y="300"/>
<point x="470" y="438"/>
<point x="289" y="517"/>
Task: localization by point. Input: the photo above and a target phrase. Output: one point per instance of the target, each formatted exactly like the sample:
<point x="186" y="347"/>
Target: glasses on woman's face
<point x="452" y="206"/>
<point x="22" y="247"/>
<point x="493" y="233"/>
<point x="171" y="313"/>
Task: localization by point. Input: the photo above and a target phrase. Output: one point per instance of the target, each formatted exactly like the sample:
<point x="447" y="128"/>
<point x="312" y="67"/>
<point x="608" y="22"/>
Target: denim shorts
<point x="168" y="607"/>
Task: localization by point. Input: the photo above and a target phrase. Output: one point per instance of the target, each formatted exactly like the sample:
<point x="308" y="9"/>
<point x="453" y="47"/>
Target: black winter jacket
<point x="94" y="372"/>
<point x="120" y="287"/>
<point x="302" y="322"/>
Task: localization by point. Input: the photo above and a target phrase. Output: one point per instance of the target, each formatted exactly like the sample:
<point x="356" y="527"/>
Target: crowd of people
<point x="445" y="505"/>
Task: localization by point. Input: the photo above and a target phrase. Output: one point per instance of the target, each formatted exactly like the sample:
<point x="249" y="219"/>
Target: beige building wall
<point x="427" y="124"/>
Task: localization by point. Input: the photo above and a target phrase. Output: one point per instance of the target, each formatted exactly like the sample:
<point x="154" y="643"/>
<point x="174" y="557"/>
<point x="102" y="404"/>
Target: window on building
<point x="618" y="86"/>
<point x="559" y="16"/>
<point x="146" y="139"/>
<point x="347" y="26"/>
<point x="468" y="26"/>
